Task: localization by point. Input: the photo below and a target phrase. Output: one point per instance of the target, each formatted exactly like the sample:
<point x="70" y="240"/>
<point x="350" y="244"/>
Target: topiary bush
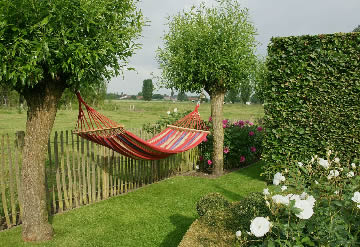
<point x="242" y="212"/>
<point x="211" y="202"/>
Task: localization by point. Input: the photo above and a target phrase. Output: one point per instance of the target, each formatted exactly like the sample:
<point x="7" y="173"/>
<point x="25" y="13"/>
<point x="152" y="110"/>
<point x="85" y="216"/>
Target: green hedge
<point x="312" y="96"/>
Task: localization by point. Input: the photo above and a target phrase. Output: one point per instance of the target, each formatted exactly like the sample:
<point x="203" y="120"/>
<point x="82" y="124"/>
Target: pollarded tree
<point x="211" y="49"/>
<point x="46" y="47"/>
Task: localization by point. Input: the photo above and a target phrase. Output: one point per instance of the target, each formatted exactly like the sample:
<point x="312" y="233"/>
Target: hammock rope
<point x="184" y="134"/>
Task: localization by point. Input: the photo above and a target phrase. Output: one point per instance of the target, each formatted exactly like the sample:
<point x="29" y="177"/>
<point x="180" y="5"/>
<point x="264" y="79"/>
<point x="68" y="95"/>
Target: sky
<point x="271" y="18"/>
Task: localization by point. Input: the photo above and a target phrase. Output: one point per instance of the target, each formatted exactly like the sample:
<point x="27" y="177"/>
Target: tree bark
<point x="217" y="101"/>
<point x="42" y="101"/>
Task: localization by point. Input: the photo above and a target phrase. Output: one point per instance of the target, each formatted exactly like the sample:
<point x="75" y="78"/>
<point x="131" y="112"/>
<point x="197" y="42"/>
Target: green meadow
<point x="132" y="114"/>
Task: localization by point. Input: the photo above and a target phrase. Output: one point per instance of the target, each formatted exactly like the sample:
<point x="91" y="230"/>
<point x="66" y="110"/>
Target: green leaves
<point x="78" y="42"/>
<point x="211" y="48"/>
<point x="312" y="97"/>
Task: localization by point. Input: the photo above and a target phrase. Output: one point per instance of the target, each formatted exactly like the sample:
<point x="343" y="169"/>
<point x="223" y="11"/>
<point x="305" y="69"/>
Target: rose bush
<point x="314" y="203"/>
<point x="242" y="144"/>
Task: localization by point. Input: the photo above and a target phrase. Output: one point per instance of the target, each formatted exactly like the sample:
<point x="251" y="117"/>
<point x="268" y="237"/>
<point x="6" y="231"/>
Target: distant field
<point x="119" y="111"/>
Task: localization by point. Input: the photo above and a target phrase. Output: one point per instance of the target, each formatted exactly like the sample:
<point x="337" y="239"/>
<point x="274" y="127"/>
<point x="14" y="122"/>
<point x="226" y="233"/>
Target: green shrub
<point x="217" y="218"/>
<point x="242" y="212"/>
<point x="211" y="202"/>
<point x="312" y="98"/>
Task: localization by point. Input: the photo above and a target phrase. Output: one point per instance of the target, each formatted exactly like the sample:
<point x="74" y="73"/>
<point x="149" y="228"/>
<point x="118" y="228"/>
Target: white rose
<point x="260" y="226"/>
<point x="266" y="192"/>
<point x="324" y="163"/>
<point x="350" y="174"/>
<point x="356" y="197"/>
<point x="333" y="174"/>
<point x="238" y="234"/>
<point x="300" y="164"/>
<point x="311" y="200"/>
<point x="197" y="167"/>
<point x="303" y="195"/>
<point x="337" y="160"/>
<point x="293" y="197"/>
<point x="168" y="112"/>
<point x="283" y="188"/>
<point x="316" y="182"/>
<point x="306" y="209"/>
<point x="353" y="165"/>
<point x="278" y="178"/>
<point x="280" y="199"/>
<point x="175" y="109"/>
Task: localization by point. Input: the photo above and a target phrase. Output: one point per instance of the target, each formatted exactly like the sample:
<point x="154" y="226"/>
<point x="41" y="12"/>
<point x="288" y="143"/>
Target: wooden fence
<point x="79" y="172"/>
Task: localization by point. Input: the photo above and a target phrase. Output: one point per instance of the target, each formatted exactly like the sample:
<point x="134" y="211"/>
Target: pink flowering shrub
<point x="242" y="144"/>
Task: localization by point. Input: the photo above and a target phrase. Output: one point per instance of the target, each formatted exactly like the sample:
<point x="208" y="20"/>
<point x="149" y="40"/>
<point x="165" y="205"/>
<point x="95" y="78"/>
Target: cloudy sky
<point x="272" y="18"/>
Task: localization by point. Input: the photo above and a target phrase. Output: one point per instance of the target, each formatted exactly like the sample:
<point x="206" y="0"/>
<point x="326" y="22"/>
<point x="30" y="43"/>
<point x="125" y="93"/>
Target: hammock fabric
<point x="183" y="135"/>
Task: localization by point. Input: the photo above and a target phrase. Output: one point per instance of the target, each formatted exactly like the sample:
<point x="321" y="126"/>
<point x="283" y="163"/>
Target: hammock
<point x="183" y="135"/>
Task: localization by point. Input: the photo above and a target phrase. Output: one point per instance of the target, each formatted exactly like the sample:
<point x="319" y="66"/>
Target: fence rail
<point x="79" y="172"/>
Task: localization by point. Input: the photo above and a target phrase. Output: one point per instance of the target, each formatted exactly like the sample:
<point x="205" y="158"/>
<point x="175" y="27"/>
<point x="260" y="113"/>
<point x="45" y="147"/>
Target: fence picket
<point x="70" y="192"/>
<point x="2" y="184"/>
<point x="58" y="184"/>
<point x="83" y="172"/>
<point x="88" y="165"/>
<point x="11" y="183"/>
<point x="93" y="173"/>
<point x="18" y="184"/>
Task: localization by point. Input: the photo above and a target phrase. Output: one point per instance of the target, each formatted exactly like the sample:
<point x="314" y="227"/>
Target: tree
<point x="182" y="97"/>
<point x="357" y="29"/>
<point x="147" y="89"/>
<point x="46" y="47"/>
<point x="232" y="96"/>
<point x="245" y="91"/>
<point x="211" y="49"/>
<point x="158" y="96"/>
<point x="259" y="80"/>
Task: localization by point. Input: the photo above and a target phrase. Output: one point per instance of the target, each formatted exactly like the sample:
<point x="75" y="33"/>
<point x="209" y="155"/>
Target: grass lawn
<point x="119" y="111"/>
<point x="155" y="215"/>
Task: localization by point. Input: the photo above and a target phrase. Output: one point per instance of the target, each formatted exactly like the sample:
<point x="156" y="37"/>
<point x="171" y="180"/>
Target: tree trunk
<point x="217" y="101"/>
<point x="42" y="102"/>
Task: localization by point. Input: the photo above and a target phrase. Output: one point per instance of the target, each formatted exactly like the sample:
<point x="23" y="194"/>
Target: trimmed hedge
<point x="211" y="202"/>
<point x="312" y="96"/>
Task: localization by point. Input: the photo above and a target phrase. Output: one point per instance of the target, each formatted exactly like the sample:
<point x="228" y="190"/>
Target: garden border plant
<point x="242" y="145"/>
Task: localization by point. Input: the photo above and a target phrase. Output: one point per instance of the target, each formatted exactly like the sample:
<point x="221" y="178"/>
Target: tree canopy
<point x="208" y="48"/>
<point x="79" y="41"/>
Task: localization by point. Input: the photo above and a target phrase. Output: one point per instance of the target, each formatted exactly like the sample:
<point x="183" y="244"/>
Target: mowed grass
<point x="119" y="111"/>
<point x="155" y="215"/>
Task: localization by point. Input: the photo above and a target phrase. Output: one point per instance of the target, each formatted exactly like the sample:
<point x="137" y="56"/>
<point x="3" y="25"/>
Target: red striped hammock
<point x="183" y="135"/>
